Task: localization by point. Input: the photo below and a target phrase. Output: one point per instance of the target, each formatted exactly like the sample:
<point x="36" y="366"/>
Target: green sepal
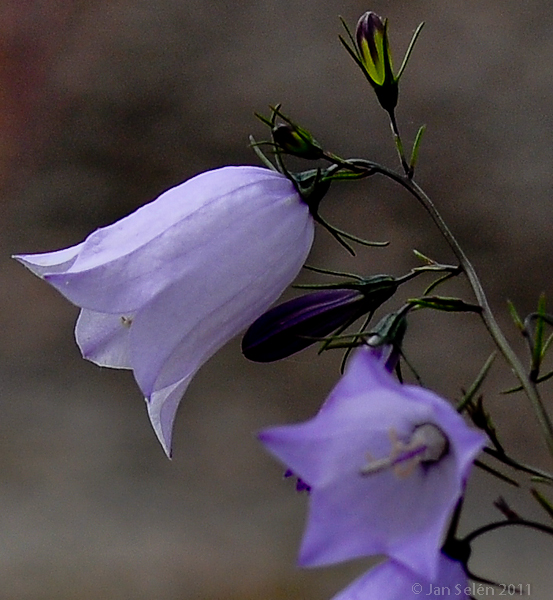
<point x="390" y="330"/>
<point x="445" y="304"/>
<point x="409" y="50"/>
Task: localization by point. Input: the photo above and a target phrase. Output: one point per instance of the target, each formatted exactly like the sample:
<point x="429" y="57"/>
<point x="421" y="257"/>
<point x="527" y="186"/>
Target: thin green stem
<point x="399" y="144"/>
<point x="499" y="524"/>
<point x="496" y="473"/>
<point x="486" y="314"/>
<point x="507" y="460"/>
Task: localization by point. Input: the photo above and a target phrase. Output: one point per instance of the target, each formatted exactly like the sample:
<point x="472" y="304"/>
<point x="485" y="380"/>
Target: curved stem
<point x="486" y="314"/>
<point x="499" y="524"/>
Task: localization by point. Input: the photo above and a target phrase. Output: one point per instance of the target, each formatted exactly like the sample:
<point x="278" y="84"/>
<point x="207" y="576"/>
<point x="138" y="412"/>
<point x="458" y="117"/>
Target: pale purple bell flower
<point x="386" y="464"/>
<point x="393" y="581"/>
<point x="164" y="288"/>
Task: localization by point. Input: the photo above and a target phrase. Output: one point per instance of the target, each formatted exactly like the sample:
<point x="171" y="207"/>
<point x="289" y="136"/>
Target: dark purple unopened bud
<point x="371" y="34"/>
<point x="299" y="323"/>
<point x="375" y="58"/>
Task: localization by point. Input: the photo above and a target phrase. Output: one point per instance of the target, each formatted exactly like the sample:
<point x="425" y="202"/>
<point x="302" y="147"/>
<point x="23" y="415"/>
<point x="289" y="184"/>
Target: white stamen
<point x="428" y="444"/>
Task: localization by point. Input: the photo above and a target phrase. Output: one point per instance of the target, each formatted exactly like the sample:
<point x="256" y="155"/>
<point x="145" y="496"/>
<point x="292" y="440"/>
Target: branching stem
<point x="486" y="313"/>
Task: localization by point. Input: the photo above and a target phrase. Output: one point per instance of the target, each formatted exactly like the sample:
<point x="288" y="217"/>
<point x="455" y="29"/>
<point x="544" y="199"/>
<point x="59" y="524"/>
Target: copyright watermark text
<point x="472" y="590"/>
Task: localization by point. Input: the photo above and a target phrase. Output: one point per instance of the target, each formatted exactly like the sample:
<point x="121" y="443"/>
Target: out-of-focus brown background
<point x="106" y="103"/>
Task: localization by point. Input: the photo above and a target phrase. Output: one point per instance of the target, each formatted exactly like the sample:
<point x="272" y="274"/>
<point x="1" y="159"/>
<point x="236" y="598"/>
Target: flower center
<point x="427" y="444"/>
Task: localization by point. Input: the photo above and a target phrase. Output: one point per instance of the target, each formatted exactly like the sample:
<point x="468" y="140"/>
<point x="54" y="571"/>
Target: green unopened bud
<point x="372" y="41"/>
<point x="370" y="49"/>
<point x="295" y="140"/>
<point x="376" y="59"/>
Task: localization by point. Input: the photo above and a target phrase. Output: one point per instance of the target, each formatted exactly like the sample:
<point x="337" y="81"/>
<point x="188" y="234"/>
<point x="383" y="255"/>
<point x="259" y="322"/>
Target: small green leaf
<point x="546" y="346"/>
<point x="416" y="146"/>
<point x="423" y="257"/>
<point x="515" y="316"/>
<point x="477" y="383"/>
<point x="543" y="501"/>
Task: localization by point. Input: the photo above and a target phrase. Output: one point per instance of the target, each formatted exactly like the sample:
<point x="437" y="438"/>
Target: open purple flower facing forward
<point x="164" y="288"/>
<point x="392" y="581"/>
<point x="386" y="464"/>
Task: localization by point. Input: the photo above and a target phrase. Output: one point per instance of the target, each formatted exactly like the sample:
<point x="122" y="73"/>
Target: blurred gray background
<point x="106" y="103"/>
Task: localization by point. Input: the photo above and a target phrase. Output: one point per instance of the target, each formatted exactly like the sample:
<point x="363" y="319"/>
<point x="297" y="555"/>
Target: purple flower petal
<point x="392" y="581"/>
<point x="187" y="324"/>
<point x="104" y="338"/>
<point x="162" y="408"/>
<point x="121" y="267"/>
<point x="51" y="262"/>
